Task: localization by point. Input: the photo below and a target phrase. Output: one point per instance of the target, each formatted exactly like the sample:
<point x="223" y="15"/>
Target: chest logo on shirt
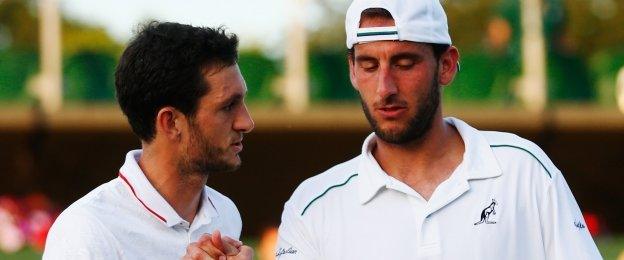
<point x="486" y="213"/>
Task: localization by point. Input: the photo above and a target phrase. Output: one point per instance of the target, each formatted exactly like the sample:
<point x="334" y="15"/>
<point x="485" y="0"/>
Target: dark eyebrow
<point x="405" y="55"/>
<point x="234" y="98"/>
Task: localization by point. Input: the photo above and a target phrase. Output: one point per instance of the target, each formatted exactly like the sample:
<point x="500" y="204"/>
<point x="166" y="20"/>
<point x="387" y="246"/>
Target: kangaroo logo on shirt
<point x="487" y="212"/>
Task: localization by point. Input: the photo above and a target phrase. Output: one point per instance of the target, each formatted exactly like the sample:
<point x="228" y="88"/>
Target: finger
<point x="204" y="237"/>
<point x="232" y="241"/>
<point x="211" y="250"/>
<point x="195" y="253"/>
<point x="230" y="249"/>
<point x="216" y="240"/>
<point x="219" y="243"/>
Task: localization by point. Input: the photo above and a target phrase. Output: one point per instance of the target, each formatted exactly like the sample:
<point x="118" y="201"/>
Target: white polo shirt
<point x="127" y="218"/>
<point x="506" y="200"/>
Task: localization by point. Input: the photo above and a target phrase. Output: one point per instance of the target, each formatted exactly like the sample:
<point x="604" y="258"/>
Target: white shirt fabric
<point x="127" y="218"/>
<point x="357" y="211"/>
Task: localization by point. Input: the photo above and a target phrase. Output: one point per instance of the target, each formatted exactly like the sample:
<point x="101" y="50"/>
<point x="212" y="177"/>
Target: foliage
<point x="583" y="44"/>
<point x="15" y="68"/>
<point x="89" y="54"/>
<point x="259" y="73"/>
<point x="89" y="76"/>
<point x="17" y="16"/>
<point x="329" y="76"/>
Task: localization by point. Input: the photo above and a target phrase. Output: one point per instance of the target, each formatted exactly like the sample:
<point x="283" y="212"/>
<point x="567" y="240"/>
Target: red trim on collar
<point x="134" y="193"/>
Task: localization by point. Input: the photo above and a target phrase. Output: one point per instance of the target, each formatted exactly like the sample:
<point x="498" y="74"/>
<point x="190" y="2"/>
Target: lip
<point x="238" y="147"/>
<point x="391" y="112"/>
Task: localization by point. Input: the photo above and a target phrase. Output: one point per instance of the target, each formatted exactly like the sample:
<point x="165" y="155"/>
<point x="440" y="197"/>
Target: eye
<point x="368" y="65"/>
<point x="405" y="63"/>
<point x="230" y="106"/>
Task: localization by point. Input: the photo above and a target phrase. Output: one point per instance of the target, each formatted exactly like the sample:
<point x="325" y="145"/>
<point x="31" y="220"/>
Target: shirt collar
<point x="372" y="177"/>
<point x="478" y="161"/>
<point x="143" y="191"/>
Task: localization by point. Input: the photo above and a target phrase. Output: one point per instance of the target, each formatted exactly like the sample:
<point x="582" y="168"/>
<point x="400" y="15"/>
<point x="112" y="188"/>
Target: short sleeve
<point x="294" y="240"/>
<point x="565" y="233"/>
<point x="77" y="235"/>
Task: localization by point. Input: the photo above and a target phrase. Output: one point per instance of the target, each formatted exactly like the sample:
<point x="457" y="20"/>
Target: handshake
<point x="214" y="246"/>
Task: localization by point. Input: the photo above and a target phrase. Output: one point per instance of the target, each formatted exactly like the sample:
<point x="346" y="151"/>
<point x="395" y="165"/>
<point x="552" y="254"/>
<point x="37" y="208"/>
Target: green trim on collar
<point x="362" y="34"/>
<point x="323" y="194"/>
<point x="517" y="147"/>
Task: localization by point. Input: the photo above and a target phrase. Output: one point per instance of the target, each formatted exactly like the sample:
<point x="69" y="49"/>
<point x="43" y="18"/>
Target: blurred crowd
<point x="25" y="221"/>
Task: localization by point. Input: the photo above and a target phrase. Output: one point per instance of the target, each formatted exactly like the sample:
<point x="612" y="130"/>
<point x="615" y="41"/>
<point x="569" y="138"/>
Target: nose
<point x="386" y="85"/>
<point x="244" y="123"/>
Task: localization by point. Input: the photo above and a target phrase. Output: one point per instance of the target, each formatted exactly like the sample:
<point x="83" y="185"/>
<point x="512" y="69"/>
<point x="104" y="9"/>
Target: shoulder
<point x="315" y="188"/>
<point x="231" y="222"/>
<point x="80" y="227"/>
<point x="221" y="202"/>
<point x="87" y="212"/>
<point x="511" y="149"/>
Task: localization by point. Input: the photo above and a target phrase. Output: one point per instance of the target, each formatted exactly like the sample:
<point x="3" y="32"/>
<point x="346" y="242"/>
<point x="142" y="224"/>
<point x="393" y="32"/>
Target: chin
<point x="235" y="163"/>
<point x="393" y="130"/>
<point x="393" y="135"/>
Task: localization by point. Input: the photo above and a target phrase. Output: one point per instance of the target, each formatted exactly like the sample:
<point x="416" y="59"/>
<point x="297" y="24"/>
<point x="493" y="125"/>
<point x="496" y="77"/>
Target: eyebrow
<point x="234" y="98"/>
<point x="363" y="58"/>
<point x="405" y="55"/>
<point x="394" y="58"/>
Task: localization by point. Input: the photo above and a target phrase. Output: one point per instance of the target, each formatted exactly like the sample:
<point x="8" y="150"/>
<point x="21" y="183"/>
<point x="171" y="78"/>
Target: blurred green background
<point x="584" y="50"/>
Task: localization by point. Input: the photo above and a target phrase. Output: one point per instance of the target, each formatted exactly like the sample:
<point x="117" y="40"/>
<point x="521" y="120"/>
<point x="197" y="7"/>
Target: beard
<point x="417" y="126"/>
<point x="203" y="157"/>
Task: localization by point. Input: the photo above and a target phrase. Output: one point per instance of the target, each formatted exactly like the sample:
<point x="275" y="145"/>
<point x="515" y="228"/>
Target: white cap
<point x="415" y="20"/>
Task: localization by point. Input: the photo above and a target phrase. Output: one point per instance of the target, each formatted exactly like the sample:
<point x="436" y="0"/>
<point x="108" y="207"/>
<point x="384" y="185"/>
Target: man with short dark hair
<point x="183" y="94"/>
<point x="427" y="187"/>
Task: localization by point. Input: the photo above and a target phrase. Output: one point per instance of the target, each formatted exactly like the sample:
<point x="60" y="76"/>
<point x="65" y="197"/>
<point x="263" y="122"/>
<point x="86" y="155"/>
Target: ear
<point x="448" y="66"/>
<point x="170" y="123"/>
<point x="351" y="61"/>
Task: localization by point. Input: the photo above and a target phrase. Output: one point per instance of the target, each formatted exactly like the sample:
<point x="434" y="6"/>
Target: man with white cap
<point x="427" y="187"/>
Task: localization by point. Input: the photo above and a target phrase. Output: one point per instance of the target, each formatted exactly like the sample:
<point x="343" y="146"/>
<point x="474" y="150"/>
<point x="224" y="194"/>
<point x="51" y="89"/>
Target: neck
<point x="182" y="191"/>
<point x="425" y="163"/>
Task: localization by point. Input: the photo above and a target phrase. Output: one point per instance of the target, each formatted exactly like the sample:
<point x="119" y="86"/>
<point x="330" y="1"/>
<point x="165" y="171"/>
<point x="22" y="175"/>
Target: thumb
<point x="215" y="238"/>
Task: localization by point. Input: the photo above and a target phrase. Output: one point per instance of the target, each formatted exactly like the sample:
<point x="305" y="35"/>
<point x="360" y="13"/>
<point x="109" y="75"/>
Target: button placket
<point x="418" y="208"/>
<point x="430" y="243"/>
